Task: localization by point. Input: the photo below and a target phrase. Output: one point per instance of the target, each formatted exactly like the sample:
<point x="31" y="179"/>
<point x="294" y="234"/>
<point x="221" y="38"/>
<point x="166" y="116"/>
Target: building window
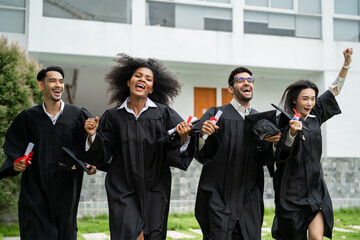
<point x="283" y="17"/>
<point x="215" y="15"/>
<point x="12" y="16"/>
<point x="347" y="20"/>
<point x="118" y="11"/>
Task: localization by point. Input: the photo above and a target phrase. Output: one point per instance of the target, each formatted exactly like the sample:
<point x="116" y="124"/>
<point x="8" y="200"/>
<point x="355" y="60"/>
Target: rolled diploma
<point x="217" y="116"/>
<point x="29" y="148"/>
<point x="172" y="131"/>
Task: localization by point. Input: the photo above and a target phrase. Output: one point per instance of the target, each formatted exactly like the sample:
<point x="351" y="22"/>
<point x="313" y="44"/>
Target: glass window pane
<point x="259" y="17"/>
<point x="269" y="24"/>
<point x="350" y="7"/>
<point x="12" y="21"/>
<point x="308" y="27"/>
<point x="346" y="30"/>
<point x="218" y="24"/>
<point x="213" y="12"/>
<point x="106" y="10"/>
<point x="309" y="6"/>
<point x="281" y="21"/>
<point x="218" y="19"/>
<point x="161" y="14"/>
<point x="261" y="3"/>
<point x="188" y="16"/>
<point x="12" y="3"/>
<point x="283" y="4"/>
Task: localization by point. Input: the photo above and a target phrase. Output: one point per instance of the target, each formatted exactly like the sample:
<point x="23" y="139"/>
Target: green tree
<point x="18" y="91"/>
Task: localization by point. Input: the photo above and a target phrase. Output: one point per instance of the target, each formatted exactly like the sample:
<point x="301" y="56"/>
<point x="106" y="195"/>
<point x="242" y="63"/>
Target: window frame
<point x="349" y="17"/>
<point x="292" y="12"/>
<point x="202" y="3"/>
<point x="25" y="16"/>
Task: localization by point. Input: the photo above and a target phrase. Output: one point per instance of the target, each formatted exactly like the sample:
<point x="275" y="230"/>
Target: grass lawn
<point x="344" y="219"/>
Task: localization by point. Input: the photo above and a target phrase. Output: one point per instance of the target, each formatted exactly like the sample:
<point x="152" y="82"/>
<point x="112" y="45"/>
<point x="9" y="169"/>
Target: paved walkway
<point x="179" y="235"/>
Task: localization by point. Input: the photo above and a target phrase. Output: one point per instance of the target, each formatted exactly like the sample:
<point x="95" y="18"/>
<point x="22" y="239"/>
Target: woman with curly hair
<point x="302" y="200"/>
<point x="133" y="136"/>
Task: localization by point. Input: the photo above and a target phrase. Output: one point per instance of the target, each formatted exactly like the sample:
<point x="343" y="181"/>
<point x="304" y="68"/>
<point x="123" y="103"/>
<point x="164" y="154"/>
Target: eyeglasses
<point x="242" y="79"/>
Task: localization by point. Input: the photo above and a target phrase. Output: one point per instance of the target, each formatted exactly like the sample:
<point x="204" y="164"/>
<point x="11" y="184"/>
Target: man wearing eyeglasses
<point x="229" y="202"/>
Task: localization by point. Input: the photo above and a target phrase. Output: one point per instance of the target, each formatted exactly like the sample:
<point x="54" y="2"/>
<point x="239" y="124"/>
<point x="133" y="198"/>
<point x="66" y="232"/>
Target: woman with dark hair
<point x="301" y="197"/>
<point x="134" y="136"/>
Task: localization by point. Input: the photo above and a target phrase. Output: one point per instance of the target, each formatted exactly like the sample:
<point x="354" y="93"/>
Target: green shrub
<point x="18" y="91"/>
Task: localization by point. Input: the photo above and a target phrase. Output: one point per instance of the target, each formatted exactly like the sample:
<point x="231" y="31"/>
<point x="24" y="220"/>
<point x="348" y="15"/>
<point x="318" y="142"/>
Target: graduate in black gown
<point x="51" y="183"/>
<point x="302" y="199"/>
<point x="229" y="203"/>
<point x="134" y="135"/>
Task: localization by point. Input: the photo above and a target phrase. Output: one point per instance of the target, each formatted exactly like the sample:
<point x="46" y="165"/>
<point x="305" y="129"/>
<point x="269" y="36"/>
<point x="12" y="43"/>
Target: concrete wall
<point x="342" y="176"/>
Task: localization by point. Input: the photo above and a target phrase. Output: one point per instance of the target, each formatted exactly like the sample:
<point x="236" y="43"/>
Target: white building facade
<point x="202" y="41"/>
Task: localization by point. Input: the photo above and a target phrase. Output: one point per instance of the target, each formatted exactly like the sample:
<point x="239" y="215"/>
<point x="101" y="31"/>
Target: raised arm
<point x="336" y="86"/>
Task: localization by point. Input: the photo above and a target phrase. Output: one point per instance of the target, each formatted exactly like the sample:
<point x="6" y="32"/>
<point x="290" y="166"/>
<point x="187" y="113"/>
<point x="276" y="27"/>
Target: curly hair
<point x="166" y="86"/>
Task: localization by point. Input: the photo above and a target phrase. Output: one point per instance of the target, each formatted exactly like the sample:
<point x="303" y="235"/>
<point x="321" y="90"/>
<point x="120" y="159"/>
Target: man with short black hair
<point x="229" y="203"/>
<point x="51" y="180"/>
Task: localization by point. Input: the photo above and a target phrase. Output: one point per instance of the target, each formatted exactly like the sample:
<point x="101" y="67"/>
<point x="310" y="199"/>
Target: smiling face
<point x="305" y="101"/>
<point x="242" y="91"/>
<point x="52" y="86"/>
<point x="141" y="83"/>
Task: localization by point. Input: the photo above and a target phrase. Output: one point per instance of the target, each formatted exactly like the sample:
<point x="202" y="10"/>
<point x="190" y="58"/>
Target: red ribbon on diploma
<point x="189" y="120"/>
<point x="214" y="119"/>
<point x="26" y="158"/>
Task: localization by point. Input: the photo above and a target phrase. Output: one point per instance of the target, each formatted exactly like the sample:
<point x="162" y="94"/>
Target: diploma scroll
<point x="192" y="121"/>
<point x="27" y="155"/>
<point x="214" y="120"/>
<point x="29" y="148"/>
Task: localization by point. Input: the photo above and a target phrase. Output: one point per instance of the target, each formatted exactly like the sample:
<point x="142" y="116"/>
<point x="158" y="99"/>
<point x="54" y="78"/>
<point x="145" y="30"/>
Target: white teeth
<point x="139" y="85"/>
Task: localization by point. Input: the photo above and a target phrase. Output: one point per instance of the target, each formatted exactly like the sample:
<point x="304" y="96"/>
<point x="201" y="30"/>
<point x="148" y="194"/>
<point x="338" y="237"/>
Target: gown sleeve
<point x="15" y="145"/>
<point x="326" y="107"/>
<point x="100" y="151"/>
<point x="174" y="157"/>
<point x="283" y="153"/>
<point x="207" y="153"/>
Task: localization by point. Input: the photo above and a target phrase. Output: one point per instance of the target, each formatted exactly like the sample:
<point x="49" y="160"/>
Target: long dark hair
<point x="292" y="92"/>
<point x="166" y="86"/>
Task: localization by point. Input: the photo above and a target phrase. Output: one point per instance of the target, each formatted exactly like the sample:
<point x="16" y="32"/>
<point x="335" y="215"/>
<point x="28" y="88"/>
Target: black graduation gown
<point x="300" y="189"/>
<point x="232" y="179"/>
<point x="138" y="180"/>
<point x="50" y="189"/>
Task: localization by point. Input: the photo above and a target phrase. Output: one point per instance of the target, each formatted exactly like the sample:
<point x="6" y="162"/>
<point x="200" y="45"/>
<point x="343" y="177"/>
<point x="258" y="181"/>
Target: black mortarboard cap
<point x="287" y="115"/>
<point x="77" y="161"/>
<point x="258" y="125"/>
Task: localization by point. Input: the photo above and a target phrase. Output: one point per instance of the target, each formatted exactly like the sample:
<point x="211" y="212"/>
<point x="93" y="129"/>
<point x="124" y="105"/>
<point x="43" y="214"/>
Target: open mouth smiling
<point x="140" y="86"/>
<point x="57" y="91"/>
